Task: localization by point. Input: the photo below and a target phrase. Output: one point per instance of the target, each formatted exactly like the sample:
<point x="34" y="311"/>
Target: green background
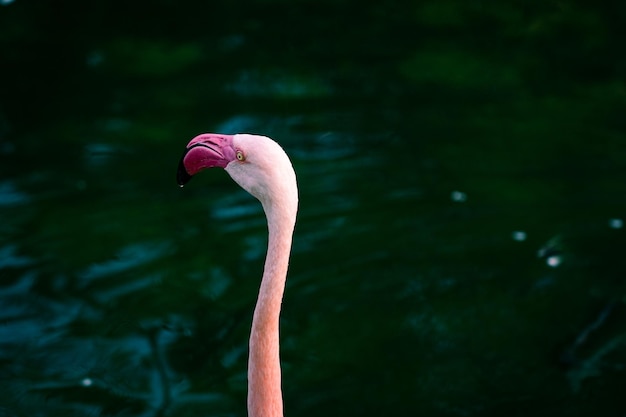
<point x="460" y="244"/>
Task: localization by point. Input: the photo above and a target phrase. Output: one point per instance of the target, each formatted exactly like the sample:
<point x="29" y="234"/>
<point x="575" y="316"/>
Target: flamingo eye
<point x="240" y="156"/>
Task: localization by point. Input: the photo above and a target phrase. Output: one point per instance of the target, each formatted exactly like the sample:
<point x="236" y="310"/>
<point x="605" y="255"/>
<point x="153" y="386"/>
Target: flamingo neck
<point x="264" y="379"/>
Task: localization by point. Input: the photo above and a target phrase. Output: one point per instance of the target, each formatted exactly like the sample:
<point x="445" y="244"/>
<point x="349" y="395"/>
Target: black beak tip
<point x="182" y="176"/>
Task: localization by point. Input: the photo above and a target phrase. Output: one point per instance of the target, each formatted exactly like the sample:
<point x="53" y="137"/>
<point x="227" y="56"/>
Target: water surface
<point x="459" y="245"/>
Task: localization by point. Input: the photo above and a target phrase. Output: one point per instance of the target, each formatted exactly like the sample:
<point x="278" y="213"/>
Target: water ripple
<point x="10" y="195"/>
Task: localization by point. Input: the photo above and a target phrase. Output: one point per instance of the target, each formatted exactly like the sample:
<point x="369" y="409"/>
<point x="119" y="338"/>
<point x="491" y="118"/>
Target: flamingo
<point x="262" y="168"/>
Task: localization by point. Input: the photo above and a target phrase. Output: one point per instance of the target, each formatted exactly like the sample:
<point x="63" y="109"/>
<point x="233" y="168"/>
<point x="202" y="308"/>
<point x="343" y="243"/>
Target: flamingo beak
<point x="205" y="151"/>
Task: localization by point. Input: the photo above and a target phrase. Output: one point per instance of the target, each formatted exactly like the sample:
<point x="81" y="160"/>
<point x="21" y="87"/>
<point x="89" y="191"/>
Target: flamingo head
<point x="257" y="163"/>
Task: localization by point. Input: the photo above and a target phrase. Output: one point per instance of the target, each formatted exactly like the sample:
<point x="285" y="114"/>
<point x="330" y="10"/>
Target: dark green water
<point x="460" y="244"/>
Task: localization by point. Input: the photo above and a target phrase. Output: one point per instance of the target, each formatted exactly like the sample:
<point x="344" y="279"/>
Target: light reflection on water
<point x="11" y="195"/>
<point x="250" y="83"/>
<point x="128" y="257"/>
<point x="10" y="259"/>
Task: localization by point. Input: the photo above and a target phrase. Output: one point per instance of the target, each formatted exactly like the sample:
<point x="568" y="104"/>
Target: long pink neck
<point x="264" y="381"/>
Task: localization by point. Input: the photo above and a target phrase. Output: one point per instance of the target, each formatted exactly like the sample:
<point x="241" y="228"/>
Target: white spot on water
<point x="616" y="223"/>
<point x="86" y="382"/>
<point x="519" y="235"/>
<point x="458" y="196"/>
<point x="554" y="261"/>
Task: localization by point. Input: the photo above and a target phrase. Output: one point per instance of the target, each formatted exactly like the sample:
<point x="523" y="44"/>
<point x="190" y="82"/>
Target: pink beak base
<point x="207" y="150"/>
